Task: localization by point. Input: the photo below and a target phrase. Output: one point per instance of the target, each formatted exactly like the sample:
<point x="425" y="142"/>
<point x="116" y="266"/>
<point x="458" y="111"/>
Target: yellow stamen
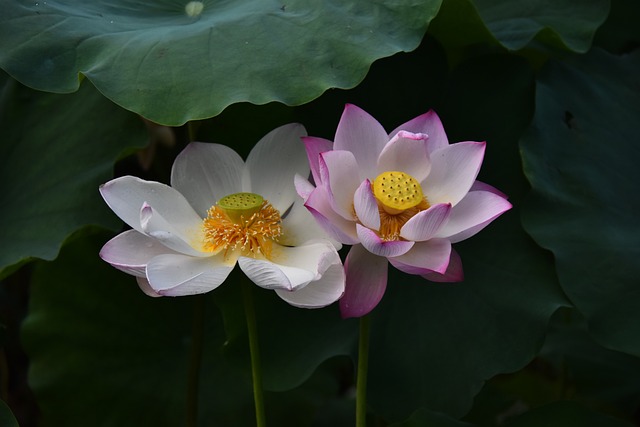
<point x="244" y="222"/>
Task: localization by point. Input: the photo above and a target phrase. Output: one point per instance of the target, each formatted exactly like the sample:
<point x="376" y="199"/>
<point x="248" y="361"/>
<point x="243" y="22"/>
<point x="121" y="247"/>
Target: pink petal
<point x="319" y="293"/>
<point x="205" y="173"/>
<point x="303" y="187"/>
<point x="178" y="275"/>
<point x="314" y="147"/>
<point x="377" y="246"/>
<point x="453" y="170"/>
<point x="366" y="282"/>
<point x="131" y="251"/>
<point x="273" y="163"/>
<point x="366" y="206"/>
<point x="481" y="186"/>
<point x="343" y="179"/>
<point x="472" y="214"/>
<point x="300" y="226"/>
<point x="361" y="134"/>
<point x="126" y="195"/>
<point x="424" y="225"/>
<point x="406" y="152"/>
<point x="430" y="124"/>
<point x="334" y="225"/>
<point x="424" y="257"/>
<point x="453" y="273"/>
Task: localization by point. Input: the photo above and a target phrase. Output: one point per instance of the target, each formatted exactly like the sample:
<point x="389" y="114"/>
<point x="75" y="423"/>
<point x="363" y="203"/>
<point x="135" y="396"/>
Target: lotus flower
<point x="401" y="198"/>
<point x="220" y="211"/>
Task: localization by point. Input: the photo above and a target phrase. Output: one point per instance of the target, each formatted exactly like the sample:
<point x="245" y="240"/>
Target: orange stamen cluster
<point x="252" y="235"/>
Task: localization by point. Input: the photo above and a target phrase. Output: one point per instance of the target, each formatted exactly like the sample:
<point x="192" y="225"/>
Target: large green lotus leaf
<point x="569" y="24"/>
<point x="6" y="417"/>
<point x="433" y="345"/>
<point x="155" y="59"/>
<point x="566" y="414"/>
<point x="580" y="156"/>
<point x="55" y="151"/>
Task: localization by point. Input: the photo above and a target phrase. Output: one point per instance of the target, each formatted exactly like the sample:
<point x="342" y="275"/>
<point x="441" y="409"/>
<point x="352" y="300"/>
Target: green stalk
<point x="195" y="360"/>
<point x="363" y="366"/>
<point x="256" y="369"/>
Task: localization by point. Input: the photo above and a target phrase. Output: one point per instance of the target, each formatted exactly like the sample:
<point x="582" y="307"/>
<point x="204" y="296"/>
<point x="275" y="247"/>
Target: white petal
<point x="430" y="124"/>
<point x="178" y="237"/>
<point x="273" y="163"/>
<point x="453" y="170"/>
<point x="366" y="206"/>
<point x="472" y="214"/>
<point x="126" y="196"/>
<point x="406" y="152"/>
<point x="300" y="226"/>
<point x="424" y="225"/>
<point x="364" y="136"/>
<point x="292" y="267"/>
<point x="145" y="287"/>
<point x="177" y="275"/>
<point x="131" y="251"/>
<point x="303" y="186"/>
<point x="318" y="293"/>
<point x="205" y="173"/>
<point x="343" y="178"/>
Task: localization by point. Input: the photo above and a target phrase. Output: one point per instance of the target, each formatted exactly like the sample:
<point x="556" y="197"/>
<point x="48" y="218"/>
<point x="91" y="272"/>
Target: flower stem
<point x="363" y="366"/>
<point x="195" y="360"/>
<point x="256" y="369"/>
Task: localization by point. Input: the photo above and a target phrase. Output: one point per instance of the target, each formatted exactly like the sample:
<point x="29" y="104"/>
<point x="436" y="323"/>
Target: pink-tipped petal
<point x="454" y="271"/>
<point x="131" y="251"/>
<point x="374" y="244"/>
<point x="126" y="195"/>
<point x="204" y="173"/>
<point x="273" y="163"/>
<point x="318" y="293"/>
<point x="366" y="282"/>
<point x="314" y="147"/>
<point x="177" y="237"/>
<point x="343" y="180"/>
<point x="334" y="225"/>
<point x="366" y="206"/>
<point x="292" y="267"/>
<point x="430" y="124"/>
<point x="425" y="257"/>
<point x="364" y="136"/>
<point x="406" y="152"/>
<point x="145" y="287"/>
<point x="178" y="275"/>
<point x="481" y="186"/>
<point x="424" y="225"/>
<point x="472" y="214"/>
<point x="300" y="226"/>
<point x="453" y="170"/>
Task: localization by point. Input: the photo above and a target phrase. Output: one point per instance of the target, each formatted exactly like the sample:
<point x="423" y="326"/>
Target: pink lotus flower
<point x="220" y="211"/>
<point x="402" y="197"/>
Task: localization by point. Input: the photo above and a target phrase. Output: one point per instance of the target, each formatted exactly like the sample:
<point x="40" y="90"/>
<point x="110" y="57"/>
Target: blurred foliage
<point x="544" y="329"/>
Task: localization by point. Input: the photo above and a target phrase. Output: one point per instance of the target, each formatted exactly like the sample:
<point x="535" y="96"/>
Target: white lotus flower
<point x="219" y="210"/>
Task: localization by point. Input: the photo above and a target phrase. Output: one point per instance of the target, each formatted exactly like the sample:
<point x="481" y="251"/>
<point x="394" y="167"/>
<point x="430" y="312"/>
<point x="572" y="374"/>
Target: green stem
<point x="363" y="366"/>
<point x="195" y="360"/>
<point x="256" y="369"/>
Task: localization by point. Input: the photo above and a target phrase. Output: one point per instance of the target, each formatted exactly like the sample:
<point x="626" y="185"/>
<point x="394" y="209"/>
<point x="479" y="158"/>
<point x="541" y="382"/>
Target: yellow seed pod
<point x="397" y="191"/>
<point x="241" y="205"/>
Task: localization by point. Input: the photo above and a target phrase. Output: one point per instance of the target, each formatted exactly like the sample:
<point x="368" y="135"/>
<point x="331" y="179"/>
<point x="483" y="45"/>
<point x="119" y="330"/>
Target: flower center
<point x="244" y="222"/>
<point x="397" y="191"/>
<point x="399" y="197"/>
